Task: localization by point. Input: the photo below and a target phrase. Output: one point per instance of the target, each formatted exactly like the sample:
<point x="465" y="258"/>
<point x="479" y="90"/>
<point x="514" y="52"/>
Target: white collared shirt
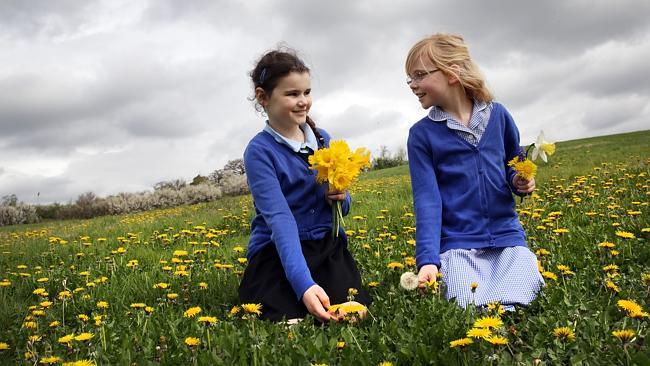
<point x="477" y="123"/>
<point x="296" y="146"/>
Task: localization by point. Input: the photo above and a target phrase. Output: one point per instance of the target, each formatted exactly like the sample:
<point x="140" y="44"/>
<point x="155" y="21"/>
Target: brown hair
<point x="450" y="54"/>
<point x="273" y="66"/>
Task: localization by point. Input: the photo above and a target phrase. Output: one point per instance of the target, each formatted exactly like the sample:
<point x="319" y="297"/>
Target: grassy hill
<point x="94" y="276"/>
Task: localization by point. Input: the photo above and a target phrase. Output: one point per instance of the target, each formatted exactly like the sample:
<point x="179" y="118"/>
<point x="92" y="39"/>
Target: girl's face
<point x="429" y="84"/>
<point x="290" y="101"/>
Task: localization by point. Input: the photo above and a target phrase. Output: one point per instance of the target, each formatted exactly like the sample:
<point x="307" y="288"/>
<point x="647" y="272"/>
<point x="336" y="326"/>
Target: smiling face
<point x="289" y="103"/>
<point x="429" y="84"/>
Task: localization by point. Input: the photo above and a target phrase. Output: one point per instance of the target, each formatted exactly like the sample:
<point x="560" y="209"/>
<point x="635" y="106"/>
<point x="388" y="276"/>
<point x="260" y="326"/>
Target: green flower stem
<point x="337" y="218"/>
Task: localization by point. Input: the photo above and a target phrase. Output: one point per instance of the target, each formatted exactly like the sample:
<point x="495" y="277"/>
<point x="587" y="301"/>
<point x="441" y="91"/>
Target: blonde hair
<point x="451" y="55"/>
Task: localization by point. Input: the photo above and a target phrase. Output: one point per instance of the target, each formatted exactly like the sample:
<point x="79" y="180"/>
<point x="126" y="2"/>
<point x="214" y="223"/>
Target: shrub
<point x="388" y="160"/>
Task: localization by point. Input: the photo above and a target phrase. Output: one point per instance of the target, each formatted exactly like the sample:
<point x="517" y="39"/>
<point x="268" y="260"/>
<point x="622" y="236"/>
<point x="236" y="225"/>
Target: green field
<point x="127" y="282"/>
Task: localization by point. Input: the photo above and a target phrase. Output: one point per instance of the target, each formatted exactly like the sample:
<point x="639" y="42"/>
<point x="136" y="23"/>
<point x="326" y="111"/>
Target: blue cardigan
<point x="463" y="193"/>
<point x="290" y="205"/>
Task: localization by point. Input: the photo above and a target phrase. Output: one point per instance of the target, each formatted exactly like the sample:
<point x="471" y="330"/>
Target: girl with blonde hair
<point x="467" y="226"/>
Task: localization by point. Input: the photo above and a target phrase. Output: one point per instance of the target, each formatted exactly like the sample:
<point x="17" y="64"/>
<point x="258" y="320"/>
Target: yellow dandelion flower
<point x="191" y="312"/>
<point x="102" y="305"/>
<point x="488" y="322"/>
<point x="192" y="341"/>
<point x="340" y="345"/>
<point x="479" y="333"/>
<point x="84" y="337"/>
<point x="138" y="305"/>
<point x="161" y="285"/>
<point x="461" y="342"/>
<point x="625" y="235"/>
<point x="349" y="307"/>
<point x="625" y="335"/>
<point x="30" y="325"/>
<point x="612" y="286"/>
<point x="497" y="340"/>
<point x="172" y="296"/>
<point x="610" y="268"/>
<point x="67" y="339"/>
<point x="564" y="333"/>
<point x="4" y="346"/>
<point x="50" y="360"/>
<point x="235" y="310"/>
<point x="638" y="314"/>
<point x="208" y="320"/>
<point x="606" y="244"/>
<point x="252" y="308"/>
<point x="395" y="265"/>
<point x="80" y="363"/>
<point x="629" y="306"/>
<point x="549" y="275"/>
<point x="525" y="169"/>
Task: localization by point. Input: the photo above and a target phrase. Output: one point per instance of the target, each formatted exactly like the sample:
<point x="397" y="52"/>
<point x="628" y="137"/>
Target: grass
<point x="590" y="190"/>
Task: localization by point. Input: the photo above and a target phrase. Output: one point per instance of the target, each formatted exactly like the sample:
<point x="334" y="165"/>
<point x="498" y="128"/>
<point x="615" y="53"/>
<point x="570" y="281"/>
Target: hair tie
<point x="262" y="76"/>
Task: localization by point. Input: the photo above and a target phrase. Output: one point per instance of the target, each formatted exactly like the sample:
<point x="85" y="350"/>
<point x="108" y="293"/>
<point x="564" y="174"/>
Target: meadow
<point x="160" y="287"/>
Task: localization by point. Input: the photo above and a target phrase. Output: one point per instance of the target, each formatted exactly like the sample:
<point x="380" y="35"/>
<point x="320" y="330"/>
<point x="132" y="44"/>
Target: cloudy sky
<point x="114" y="96"/>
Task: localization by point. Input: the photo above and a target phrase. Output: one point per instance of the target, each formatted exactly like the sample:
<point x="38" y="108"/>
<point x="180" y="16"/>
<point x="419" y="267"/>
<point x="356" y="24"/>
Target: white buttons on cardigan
<point x="312" y="211"/>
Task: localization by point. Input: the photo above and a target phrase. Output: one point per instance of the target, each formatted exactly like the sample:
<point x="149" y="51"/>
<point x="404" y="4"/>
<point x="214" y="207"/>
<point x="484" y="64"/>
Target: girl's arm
<point x="513" y="149"/>
<point x="270" y="201"/>
<point x="426" y="200"/>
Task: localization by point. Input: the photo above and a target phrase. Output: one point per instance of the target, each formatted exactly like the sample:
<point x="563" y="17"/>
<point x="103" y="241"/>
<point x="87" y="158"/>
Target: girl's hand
<point x="427" y="273"/>
<point x="334" y="195"/>
<point x="522" y="185"/>
<point x="317" y="302"/>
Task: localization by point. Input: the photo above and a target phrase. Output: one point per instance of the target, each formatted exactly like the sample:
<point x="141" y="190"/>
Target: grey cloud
<point x="42" y="18"/>
<point x="614" y="112"/>
<point x="41" y="190"/>
<point x="357" y="121"/>
<point x="141" y="97"/>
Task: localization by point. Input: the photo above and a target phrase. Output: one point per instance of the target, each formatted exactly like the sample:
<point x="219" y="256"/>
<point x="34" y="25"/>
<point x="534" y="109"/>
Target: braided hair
<point x="272" y="67"/>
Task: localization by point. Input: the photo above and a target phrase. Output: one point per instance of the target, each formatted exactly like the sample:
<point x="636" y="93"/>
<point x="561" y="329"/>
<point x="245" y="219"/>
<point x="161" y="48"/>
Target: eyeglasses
<point x="419" y="75"/>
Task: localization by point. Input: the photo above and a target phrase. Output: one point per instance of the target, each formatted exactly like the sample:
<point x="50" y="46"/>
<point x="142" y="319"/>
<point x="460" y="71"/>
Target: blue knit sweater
<point x="290" y="205"/>
<point x="463" y="193"/>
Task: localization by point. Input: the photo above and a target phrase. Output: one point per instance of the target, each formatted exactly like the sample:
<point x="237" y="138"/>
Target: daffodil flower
<point x="542" y="148"/>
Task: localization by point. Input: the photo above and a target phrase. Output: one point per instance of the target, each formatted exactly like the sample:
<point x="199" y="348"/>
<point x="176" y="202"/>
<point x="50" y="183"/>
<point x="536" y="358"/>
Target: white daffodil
<point x="543" y="148"/>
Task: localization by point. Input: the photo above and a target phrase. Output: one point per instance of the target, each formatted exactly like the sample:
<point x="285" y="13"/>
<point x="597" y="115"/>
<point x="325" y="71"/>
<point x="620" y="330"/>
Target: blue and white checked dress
<point x="508" y="275"/>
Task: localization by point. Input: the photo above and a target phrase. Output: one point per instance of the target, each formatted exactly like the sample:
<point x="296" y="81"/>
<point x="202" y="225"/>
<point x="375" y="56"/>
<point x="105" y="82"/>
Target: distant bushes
<point x="19" y="214"/>
<point x="88" y="205"/>
<point x="230" y="181"/>
<point x="388" y="160"/>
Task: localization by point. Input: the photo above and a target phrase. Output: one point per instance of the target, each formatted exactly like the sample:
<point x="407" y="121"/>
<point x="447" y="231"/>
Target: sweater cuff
<point x="347" y="202"/>
<point x="302" y="285"/>
<point x="435" y="260"/>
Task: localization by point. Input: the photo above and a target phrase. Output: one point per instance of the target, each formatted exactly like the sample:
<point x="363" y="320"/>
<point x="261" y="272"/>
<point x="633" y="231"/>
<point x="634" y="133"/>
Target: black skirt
<point x="332" y="268"/>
